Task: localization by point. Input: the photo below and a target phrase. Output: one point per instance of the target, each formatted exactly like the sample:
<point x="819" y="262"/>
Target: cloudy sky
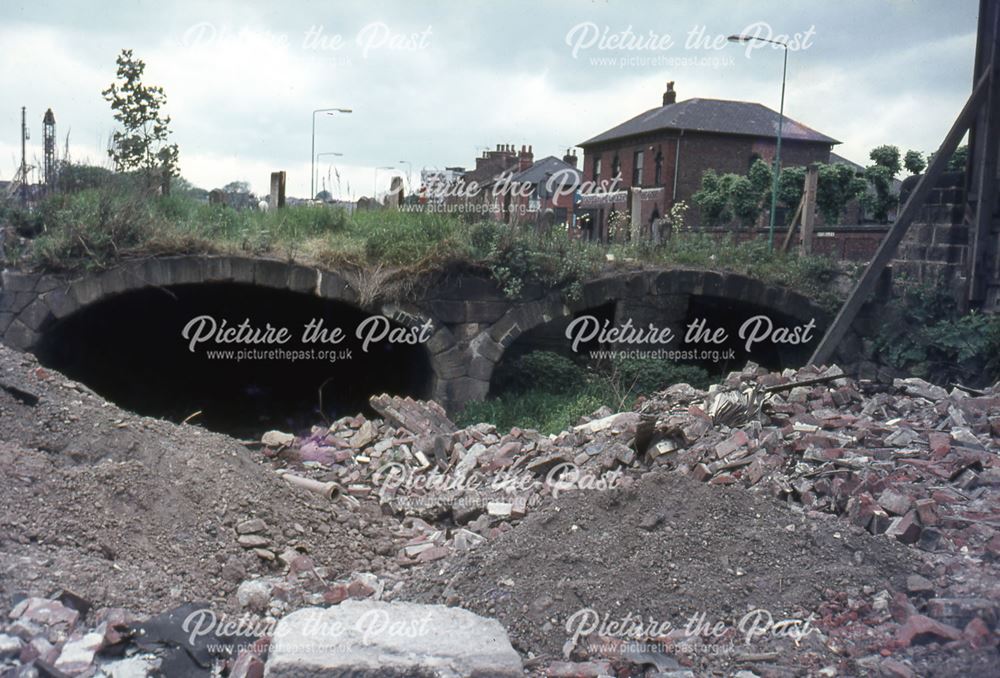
<point x="436" y="83"/>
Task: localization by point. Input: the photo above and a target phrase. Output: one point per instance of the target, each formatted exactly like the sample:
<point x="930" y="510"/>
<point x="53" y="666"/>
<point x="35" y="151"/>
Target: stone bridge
<point x="473" y="322"/>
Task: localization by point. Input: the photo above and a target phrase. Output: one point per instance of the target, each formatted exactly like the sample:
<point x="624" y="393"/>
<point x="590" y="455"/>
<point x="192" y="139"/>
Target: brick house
<point x="548" y="187"/>
<point x="491" y="166"/>
<point x="662" y="153"/>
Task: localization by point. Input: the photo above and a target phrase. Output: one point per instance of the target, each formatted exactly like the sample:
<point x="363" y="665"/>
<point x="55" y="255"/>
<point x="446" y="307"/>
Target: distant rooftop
<point x="712" y="115"/>
<point x="541" y="170"/>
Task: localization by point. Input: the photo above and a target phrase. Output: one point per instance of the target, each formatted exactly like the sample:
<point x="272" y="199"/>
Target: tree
<point x="745" y="199"/>
<point x="886" y="156"/>
<point x="836" y="186"/>
<point x="236" y="187"/>
<point x="958" y="159"/>
<point x="914" y="162"/>
<point x="880" y="176"/>
<point x="713" y="199"/>
<point x="791" y="186"/>
<point x="142" y="143"/>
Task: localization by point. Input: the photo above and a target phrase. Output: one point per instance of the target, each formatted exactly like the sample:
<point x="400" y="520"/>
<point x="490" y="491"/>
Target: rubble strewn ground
<point x="862" y="519"/>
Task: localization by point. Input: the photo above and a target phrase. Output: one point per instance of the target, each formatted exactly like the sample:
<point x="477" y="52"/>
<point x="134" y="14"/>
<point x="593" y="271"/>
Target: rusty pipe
<point x="328" y="489"/>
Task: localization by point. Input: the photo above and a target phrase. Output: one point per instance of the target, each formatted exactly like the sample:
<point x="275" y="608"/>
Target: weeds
<point x="104" y="217"/>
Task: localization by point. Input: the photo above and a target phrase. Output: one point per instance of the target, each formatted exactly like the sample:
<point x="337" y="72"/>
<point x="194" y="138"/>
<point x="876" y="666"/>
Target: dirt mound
<point x="664" y="549"/>
<point x="141" y="513"/>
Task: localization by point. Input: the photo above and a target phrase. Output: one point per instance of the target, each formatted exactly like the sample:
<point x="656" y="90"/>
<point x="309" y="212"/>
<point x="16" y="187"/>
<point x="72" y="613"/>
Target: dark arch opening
<point x="130" y="349"/>
<point x="731" y="314"/>
<point x="550" y="337"/>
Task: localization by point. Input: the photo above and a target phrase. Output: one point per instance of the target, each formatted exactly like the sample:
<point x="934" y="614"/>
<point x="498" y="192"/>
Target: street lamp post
<point x="781" y="119"/>
<point x="375" y="183"/>
<point x="320" y="155"/>
<point x="312" y="152"/>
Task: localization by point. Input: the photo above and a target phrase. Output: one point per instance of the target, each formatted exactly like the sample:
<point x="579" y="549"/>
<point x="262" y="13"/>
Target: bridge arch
<point x="49" y="303"/>
<point x="636" y="287"/>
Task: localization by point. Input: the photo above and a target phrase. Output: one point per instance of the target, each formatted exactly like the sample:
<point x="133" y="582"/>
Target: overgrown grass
<point x="94" y="226"/>
<point x="550" y="392"/>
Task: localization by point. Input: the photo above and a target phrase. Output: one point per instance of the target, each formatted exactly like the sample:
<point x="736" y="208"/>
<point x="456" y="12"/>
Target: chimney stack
<point x="670" y="96"/>
<point x="525" y="158"/>
<point x="570" y="158"/>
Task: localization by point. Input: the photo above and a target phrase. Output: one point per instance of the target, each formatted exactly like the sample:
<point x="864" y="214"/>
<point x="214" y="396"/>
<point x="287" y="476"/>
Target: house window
<point x="597" y="168"/>
<point x="616" y="166"/>
<point x="637" y="168"/>
<point x="658" y="179"/>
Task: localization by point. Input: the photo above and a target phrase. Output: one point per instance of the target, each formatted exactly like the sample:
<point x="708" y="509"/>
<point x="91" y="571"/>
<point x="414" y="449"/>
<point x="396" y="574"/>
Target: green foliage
<point x="550" y="392"/>
<point x="836" y="186"/>
<point x="761" y="177"/>
<point x="78" y="234"/>
<point x="519" y="256"/>
<point x="958" y="159"/>
<point x="75" y="177"/>
<point x="925" y="336"/>
<point x="880" y="176"/>
<point x="745" y="199"/>
<point x="723" y="198"/>
<point x="142" y="143"/>
<point x="791" y="186"/>
<point x="914" y="162"/>
<point x="632" y="377"/>
<point x="94" y="226"/>
<point x="713" y="199"/>
<point x="545" y="412"/>
<point x="888" y="157"/>
<point x="556" y="372"/>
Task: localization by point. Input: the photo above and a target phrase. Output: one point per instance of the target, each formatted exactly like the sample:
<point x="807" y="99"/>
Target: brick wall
<point x="698" y="152"/>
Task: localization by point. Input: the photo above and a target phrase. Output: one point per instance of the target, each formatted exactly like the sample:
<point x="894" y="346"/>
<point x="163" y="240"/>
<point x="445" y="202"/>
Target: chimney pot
<point x="670" y="96"/>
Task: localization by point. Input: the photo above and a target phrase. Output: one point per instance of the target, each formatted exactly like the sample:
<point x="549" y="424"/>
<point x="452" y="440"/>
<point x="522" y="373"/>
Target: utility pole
<point x="24" y="156"/>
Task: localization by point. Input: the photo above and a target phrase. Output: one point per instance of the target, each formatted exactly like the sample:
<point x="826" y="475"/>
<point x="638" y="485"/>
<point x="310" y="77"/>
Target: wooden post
<point x="835" y="334"/>
<point x="981" y="170"/>
<point x="636" y="221"/>
<point x="277" y="198"/>
<point x="793" y="224"/>
<point x="809" y="209"/>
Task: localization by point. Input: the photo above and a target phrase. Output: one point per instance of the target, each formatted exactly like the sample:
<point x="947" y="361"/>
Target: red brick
<point x="924" y="629"/>
<point x="905" y="528"/>
<point x="939" y="443"/>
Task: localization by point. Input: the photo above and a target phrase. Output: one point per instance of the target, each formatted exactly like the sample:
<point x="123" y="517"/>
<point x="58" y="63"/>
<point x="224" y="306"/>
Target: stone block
<point x="272" y="274"/>
<point x="20" y="336"/>
<point x="36" y="315"/>
<point x="217" y="269"/>
<point x="465" y="390"/>
<point x="450" y="364"/>
<point x="440" y="341"/>
<point x="302" y="279"/>
<point x="19" y="282"/>
<point x="485" y="346"/>
<point x="481" y="368"/>
<point x="373" y="638"/>
<point x="60" y="302"/>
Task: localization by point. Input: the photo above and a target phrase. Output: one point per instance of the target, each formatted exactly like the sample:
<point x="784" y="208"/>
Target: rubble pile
<point x="912" y="461"/>
<point x="887" y="523"/>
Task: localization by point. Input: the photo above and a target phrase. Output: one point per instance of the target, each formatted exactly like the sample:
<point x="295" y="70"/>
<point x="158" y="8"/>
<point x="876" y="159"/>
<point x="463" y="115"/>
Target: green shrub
<point x="924" y="335"/>
<point x="544" y="370"/>
<point x="550" y="392"/>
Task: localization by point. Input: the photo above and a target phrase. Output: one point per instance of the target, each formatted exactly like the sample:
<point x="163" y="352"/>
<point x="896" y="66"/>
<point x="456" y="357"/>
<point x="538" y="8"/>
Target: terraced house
<point x="662" y="153"/>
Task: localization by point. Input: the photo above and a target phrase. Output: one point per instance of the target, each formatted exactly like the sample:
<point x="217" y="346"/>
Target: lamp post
<point x="409" y="173"/>
<point x="316" y="161"/>
<point x="375" y="183"/>
<point x="312" y="152"/>
<point x="781" y="119"/>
